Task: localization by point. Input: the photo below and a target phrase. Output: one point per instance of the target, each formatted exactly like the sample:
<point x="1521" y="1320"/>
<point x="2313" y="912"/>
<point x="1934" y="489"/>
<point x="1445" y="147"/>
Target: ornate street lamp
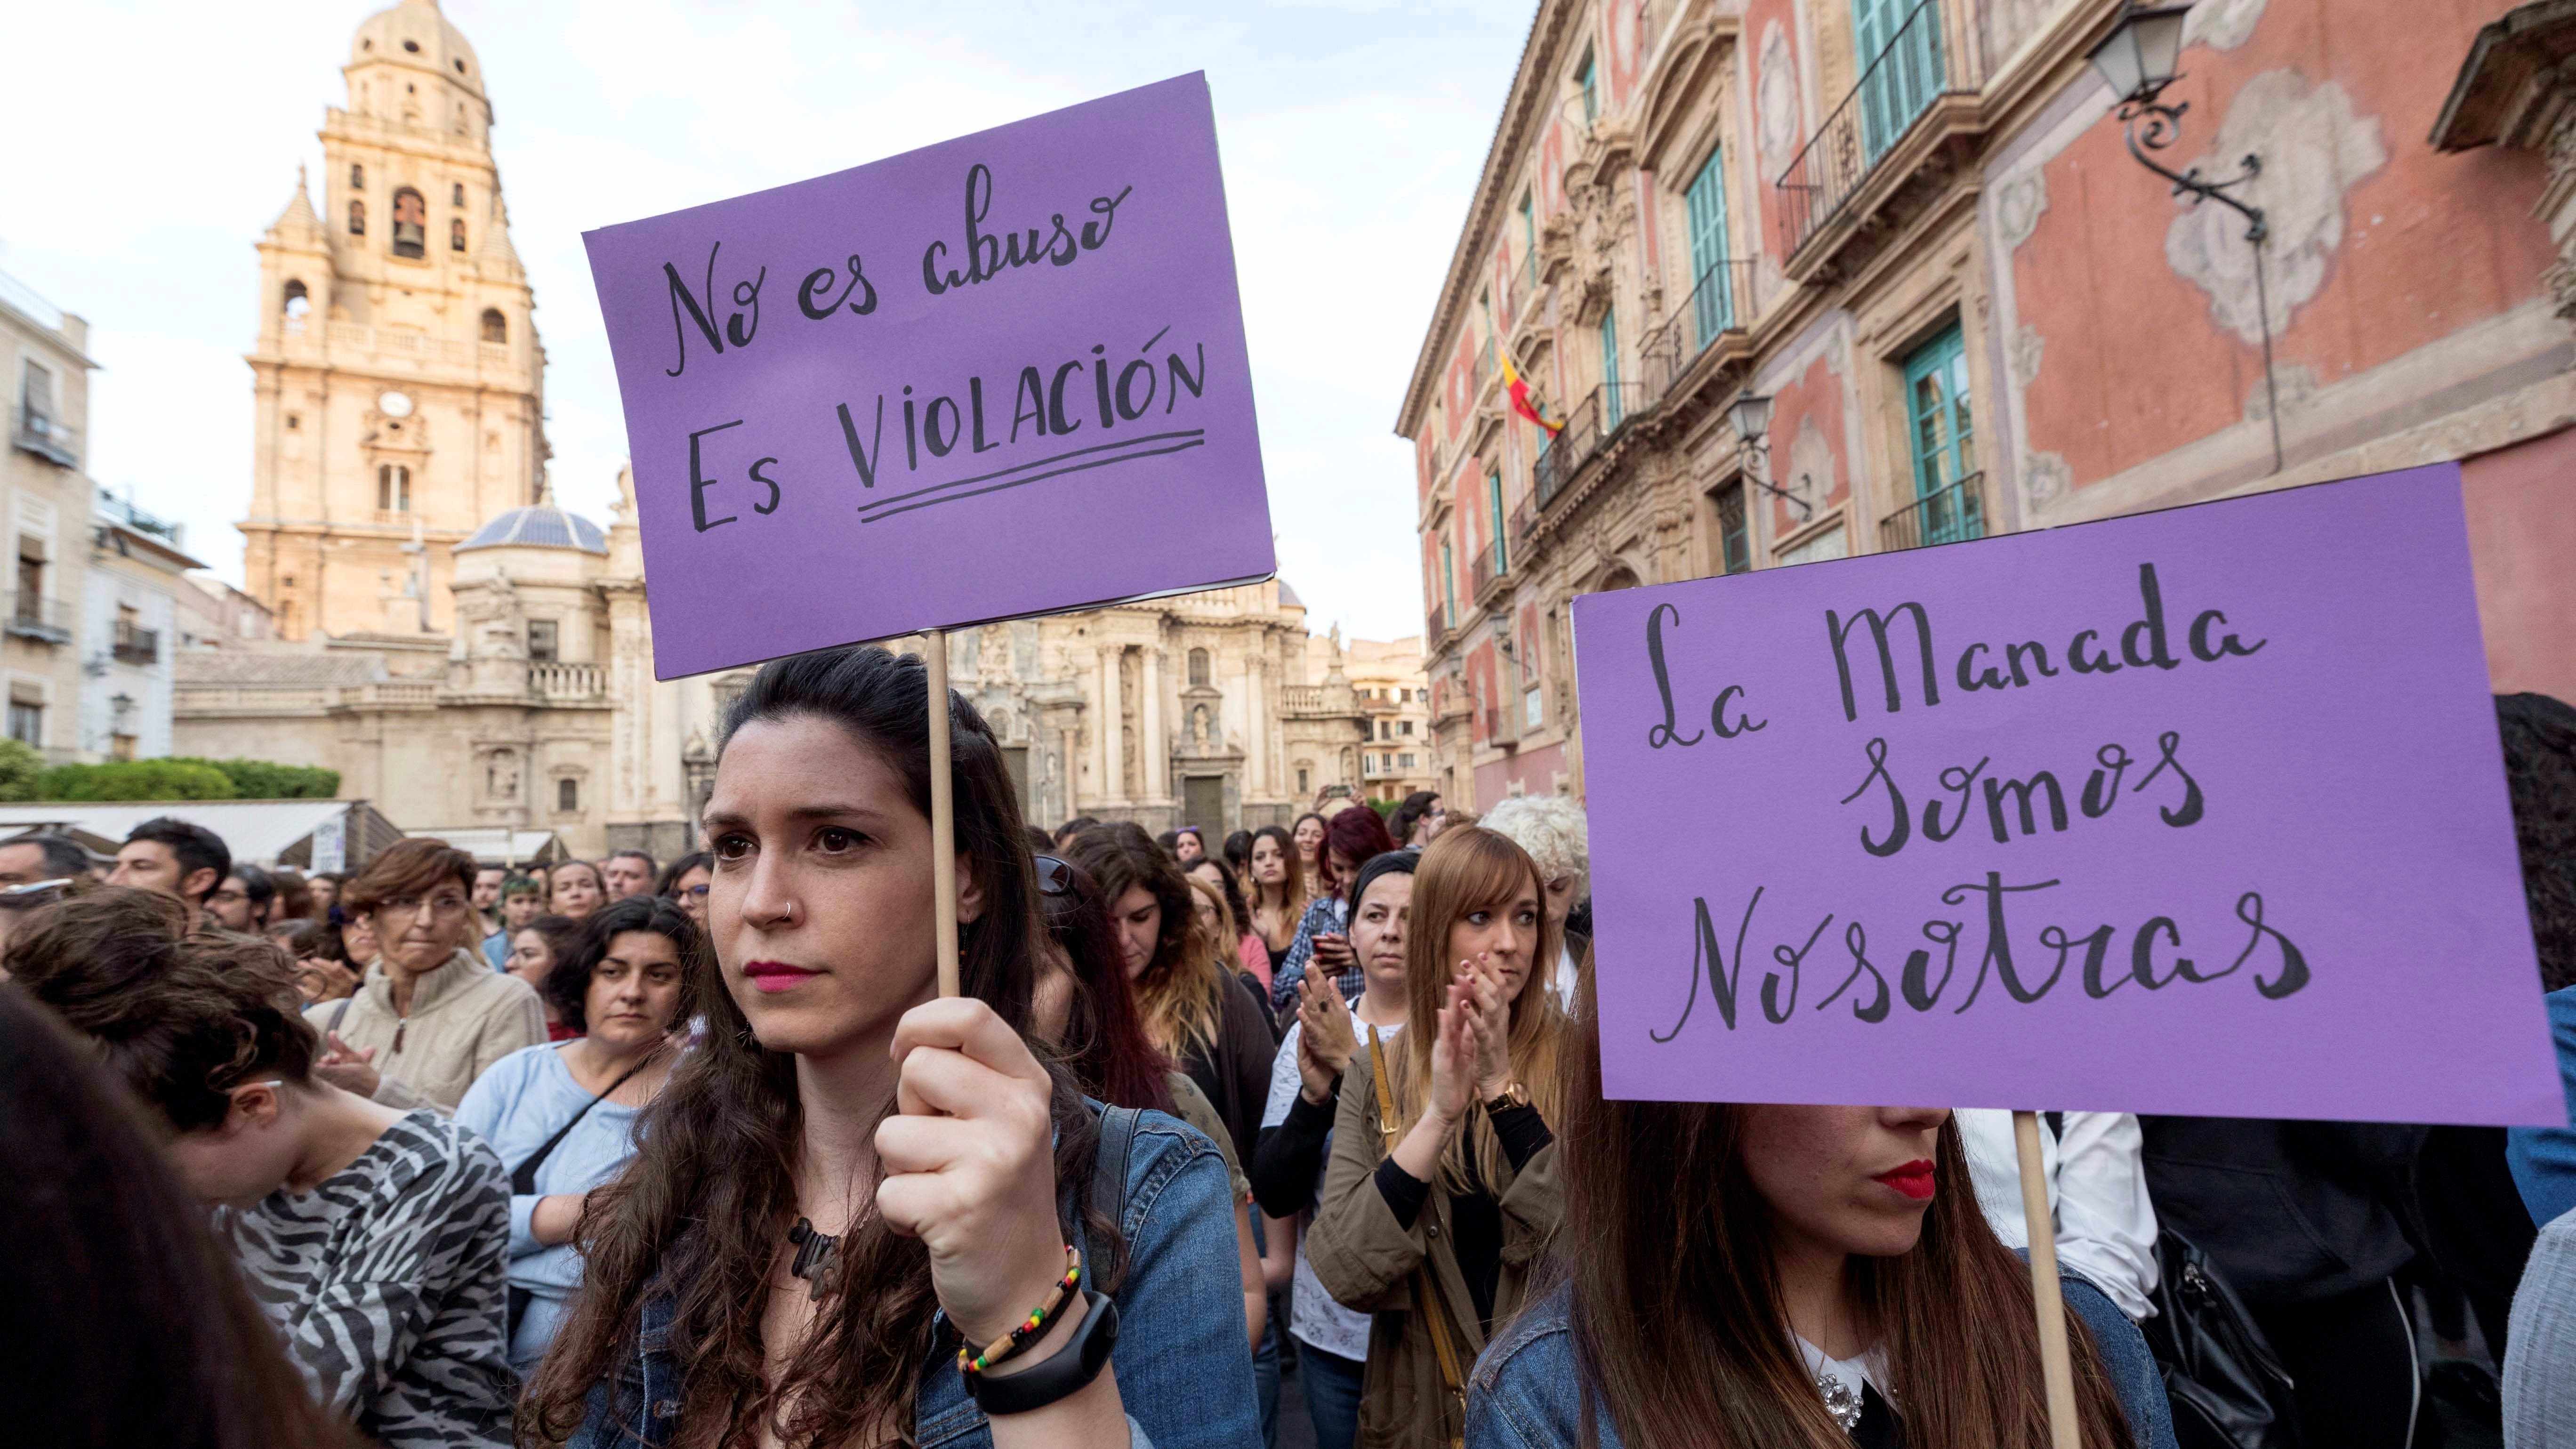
<point x="2141" y="55"/>
<point x="2139" y="58"/>
<point x="1750" y="414"/>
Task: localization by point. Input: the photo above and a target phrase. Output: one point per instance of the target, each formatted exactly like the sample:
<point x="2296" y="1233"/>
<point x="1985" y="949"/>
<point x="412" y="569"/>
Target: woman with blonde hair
<point x="1191" y="1007"/>
<point x="1442" y="1186"/>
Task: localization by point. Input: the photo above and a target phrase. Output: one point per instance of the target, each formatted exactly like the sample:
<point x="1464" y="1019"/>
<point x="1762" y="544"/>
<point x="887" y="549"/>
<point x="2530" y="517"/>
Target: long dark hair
<point x="1180" y="993"/>
<point x="701" y="1213"/>
<point x="567" y="987"/>
<point x="669" y="882"/>
<point x="2539" y="736"/>
<point x="1295" y="889"/>
<point x="121" y="1320"/>
<point x="1238" y="914"/>
<point x="1679" y="1325"/>
<point x="1104" y="1041"/>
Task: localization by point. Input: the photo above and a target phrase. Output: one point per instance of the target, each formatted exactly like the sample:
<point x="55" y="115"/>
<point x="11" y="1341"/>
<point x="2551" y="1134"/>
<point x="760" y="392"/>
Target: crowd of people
<point x="445" y="1154"/>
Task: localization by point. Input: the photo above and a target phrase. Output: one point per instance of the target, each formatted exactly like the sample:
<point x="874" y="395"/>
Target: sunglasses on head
<point x="1055" y="878"/>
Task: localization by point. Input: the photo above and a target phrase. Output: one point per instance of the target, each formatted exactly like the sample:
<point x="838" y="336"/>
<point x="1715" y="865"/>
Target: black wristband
<point x="1059" y="1375"/>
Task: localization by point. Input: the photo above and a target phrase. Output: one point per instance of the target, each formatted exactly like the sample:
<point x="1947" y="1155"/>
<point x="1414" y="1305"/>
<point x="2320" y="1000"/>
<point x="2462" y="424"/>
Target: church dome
<point x="539" y="526"/>
<point x="1288" y="597"/>
<point x="415" y="34"/>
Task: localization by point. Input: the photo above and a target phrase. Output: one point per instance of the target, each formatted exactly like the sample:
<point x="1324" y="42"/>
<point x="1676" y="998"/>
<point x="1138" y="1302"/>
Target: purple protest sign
<point x="2198" y="812"/>
<point x="998" y="376"/>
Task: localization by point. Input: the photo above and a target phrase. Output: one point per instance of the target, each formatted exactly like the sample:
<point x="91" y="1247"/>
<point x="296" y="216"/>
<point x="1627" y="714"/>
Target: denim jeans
<point x="1332" y="1395"/>
<point x="1265" y="1382"/>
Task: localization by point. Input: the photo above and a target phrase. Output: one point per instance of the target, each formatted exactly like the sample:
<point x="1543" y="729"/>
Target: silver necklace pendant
<point x="1840" y="1401"/>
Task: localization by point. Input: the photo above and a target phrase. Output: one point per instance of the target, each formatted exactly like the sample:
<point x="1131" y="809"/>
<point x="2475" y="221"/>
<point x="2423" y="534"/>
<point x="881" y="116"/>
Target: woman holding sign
<point x="1442" y="1185"/>
<point x="862" y="1213"/>
<point x="1778" y="1277"/>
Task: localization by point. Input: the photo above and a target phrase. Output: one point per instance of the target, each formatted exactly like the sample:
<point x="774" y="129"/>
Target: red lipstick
<point x="776" y="975"/>
<point x="1914" y="1179"/>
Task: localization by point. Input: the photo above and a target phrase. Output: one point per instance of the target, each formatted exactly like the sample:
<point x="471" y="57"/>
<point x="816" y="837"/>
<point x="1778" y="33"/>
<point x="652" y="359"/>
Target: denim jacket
<point x="1524" y="1393"/>
<point x="1184" y="1369"/>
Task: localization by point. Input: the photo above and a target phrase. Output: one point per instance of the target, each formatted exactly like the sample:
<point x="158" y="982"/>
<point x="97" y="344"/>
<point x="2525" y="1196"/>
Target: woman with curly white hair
<point x="1551" y="828"/>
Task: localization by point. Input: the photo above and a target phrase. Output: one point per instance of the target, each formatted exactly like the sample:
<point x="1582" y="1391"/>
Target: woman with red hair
<point x="1351" y="839"/>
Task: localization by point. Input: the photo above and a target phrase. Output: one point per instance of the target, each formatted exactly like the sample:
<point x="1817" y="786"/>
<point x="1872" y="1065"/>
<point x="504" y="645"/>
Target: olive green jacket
<point x="1367" y="1261"/>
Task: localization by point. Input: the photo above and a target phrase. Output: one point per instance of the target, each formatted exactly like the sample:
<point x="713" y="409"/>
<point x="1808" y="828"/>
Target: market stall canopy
<point x="494" y="845"/>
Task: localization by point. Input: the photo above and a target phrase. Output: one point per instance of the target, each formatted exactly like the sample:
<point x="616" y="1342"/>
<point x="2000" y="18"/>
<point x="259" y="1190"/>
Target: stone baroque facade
<point x="397" y="379"/>
<point x="1914" y="229"/>
<point x="1215" y="709"/>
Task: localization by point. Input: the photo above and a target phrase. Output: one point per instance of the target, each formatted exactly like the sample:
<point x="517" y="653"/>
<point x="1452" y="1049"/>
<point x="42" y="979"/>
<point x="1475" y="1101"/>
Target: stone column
<point x="1156" y="752"/>
<point x="1256" y="733"/>
<point x="1113" y="721"/>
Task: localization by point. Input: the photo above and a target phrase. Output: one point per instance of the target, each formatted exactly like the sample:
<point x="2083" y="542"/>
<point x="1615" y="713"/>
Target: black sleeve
<point x="1404" y="1193"/>
<point x="1288" y="1159"/>
<point x="1248" y="1057"/>
<point x="1522" y="1132"/>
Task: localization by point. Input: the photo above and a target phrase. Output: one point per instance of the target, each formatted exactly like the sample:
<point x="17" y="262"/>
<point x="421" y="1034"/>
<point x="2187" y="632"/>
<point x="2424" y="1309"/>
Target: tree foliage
<point x="268" y="780"/>
<point x="20" y="766"/>
<point x="135" y="780"/>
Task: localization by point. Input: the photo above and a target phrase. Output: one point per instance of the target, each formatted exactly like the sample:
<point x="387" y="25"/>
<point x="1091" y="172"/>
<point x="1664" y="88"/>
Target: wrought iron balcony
<point x="40" y="618"/>
<point x="1589" y="427"/>
<point x="1720" y="301"/>
<point x="47" y="436"/>
<point x="1929" y="56"/>
<point x="1485" y="572"/>
<point x="1952" y="514"/>
<point x="136" y="646"/>
<point x="1435" y="624"/>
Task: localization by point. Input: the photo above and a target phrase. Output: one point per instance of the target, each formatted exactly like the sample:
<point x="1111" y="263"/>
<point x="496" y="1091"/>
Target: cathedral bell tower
<point x="397" y="381"/>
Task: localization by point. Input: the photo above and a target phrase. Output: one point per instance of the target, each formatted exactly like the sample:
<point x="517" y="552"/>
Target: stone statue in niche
<point x="1199" y="725"/>
<point x="501" y="775"/>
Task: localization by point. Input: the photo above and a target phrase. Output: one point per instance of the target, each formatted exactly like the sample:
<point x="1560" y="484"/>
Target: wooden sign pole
<point x="2055" y="1366"/>
<point x="943" y="833"/>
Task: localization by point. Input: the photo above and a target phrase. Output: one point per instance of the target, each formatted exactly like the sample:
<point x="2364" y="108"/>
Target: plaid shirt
<point x="1326" y="916"/>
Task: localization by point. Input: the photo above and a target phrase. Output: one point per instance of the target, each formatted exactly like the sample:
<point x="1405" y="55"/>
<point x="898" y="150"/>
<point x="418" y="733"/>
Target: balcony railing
<point x="136" y="646"/>
<point x="38" y="617"/>
<point x="1720" y="301"/>
<point x="562" y="679"/>
<point x="1592" y="423"/>
<point x="1928" y="56"/>
<point x="47" y="437"/>
<point x="1952" y="514"/>
<point x="123" y="511"/>
<point x="1523" y="519"/>
<point x="1435" y="623"/>
<point x="1483" y="573"/>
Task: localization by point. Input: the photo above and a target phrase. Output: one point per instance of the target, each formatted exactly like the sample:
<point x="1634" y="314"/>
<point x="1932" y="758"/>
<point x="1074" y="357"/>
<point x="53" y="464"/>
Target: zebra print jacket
<point x="387" y="1283"/>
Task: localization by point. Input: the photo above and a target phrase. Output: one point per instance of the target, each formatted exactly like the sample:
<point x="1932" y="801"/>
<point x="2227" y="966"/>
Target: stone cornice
<point x="1522" y="110"/>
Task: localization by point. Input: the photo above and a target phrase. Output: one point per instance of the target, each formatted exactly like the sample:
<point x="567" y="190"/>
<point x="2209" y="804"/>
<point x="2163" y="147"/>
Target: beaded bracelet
<point x="1002" y="1349"/>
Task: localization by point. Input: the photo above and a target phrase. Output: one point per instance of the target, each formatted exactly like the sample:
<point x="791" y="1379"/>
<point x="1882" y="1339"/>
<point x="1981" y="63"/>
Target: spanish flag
<point x="1525" y="402"/>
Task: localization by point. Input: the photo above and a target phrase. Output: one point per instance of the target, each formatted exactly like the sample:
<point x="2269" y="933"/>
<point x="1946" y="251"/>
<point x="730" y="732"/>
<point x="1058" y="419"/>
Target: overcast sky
<point x="152" y="144"/>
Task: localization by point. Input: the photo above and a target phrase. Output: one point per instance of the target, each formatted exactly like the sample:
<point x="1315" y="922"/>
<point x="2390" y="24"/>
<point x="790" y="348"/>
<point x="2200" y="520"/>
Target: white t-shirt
<point x="1313" y="1316"/>
<point x="2097" y="1193"/>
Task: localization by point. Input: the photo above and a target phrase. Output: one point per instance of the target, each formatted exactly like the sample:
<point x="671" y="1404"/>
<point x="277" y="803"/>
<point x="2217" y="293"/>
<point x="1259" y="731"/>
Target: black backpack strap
<point x="1109" y="1167"/>
<point x="2056" y="1125"/>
